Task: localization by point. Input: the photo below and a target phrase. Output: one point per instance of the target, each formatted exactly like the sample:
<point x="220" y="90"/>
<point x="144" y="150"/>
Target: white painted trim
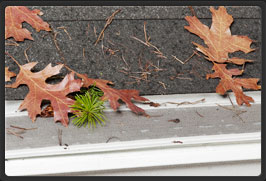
<point x="134" y="154"/>
<point x="211" y="99"/>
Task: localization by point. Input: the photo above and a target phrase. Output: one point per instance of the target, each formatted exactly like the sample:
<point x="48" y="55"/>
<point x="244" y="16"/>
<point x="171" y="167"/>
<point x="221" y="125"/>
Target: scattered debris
<point x="199" y="114"/>
<point x="112" y="137"/>
<point x="174" y="120"/>
<point x="177" y="142"/>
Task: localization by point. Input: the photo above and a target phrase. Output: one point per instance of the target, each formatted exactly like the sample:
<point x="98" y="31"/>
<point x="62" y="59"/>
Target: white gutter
<point x="135" y="154"/>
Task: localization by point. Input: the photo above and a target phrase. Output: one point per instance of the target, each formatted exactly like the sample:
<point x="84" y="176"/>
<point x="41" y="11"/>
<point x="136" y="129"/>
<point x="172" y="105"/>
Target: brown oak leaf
<point x="16" y="15"/>
<point x="227" y="82"/>
<point x="113" y="95"/>
<point x="220" y="43"/>
<point x="39" y="90"/>
<point x="8" y="74"/>
<point x="218" y="38"/>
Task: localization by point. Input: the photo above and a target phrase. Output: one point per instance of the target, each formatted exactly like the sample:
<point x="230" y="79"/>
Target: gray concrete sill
<point x="205" y="118"/>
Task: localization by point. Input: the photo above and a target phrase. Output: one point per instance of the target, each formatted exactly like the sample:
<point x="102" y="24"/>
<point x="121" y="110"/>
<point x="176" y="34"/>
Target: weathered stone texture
<point x="165" y="27"/>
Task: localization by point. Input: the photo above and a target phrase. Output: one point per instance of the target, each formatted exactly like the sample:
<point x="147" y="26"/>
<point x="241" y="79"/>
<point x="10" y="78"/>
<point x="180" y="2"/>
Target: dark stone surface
<point x="165" y="26"/>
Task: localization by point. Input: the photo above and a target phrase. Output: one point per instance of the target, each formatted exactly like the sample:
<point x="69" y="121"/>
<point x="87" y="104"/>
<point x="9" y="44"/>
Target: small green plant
<point x="88" y="108"/>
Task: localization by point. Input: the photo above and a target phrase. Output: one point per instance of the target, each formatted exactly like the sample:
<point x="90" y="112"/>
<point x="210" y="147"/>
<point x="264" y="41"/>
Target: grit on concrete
<point x="126" y="126"/>
<point x="165" y="27"/>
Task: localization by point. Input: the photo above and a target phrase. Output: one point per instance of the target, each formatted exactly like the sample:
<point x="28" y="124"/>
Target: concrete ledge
<point x="211" y="99"/>
<point x="200" y="119"/>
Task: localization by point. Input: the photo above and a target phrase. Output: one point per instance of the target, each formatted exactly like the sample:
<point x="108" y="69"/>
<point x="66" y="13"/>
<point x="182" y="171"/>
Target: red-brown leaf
<point x="113" y="95"/>
<point x="227" y="82"/>
<point x="220" y="43"/>
<point x="39" y="90"/>
<point x="16" y="15"/>
<point x="8" y="74"/>
<point x="218" y="38"/>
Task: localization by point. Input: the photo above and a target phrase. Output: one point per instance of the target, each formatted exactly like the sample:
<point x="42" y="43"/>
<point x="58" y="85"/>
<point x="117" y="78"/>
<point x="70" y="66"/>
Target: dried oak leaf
<point x="16" y="15"/>
<point x="227" y="82"/>
<point x="218" y="38"/>
<point x="113" y="95"/>
<point x="39" y="90"/>
<point x="8" y="74"/>
<point x="220" y="42"/>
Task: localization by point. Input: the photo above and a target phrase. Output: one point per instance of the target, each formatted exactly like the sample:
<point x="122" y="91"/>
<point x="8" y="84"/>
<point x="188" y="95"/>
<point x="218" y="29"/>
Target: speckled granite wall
<point x="165" y="27"/>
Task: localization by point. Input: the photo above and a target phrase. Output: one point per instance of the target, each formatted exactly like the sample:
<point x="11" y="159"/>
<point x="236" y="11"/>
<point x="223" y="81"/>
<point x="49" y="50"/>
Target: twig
<point x="95" y="31"/>
<point x="174" y="120"/>
<point x="12" y="58"/>
<point x="64" y="28"/>
<point x="186" y="102"/>
<point x="124" y="61"/>
<point x="199" y="114"/>
<point x="139" y="40"/>
<point x="25" y="53"/>
<point x="83" y="54"/>
<point x="186" y="59"/>
<point x="108" y="22"/>
<point x="234" y="110"/>
<point x="13" y="43"/>
<point x="22" y="128"/>
<point x="60" y="136"/>
<point x="57" y="47"/>
<point x="148" y="44"/>
<point x="230" y="100"/>
<point x="163" y="84"/>
<point x="112" y="137"/>
<point x="88" y="28"/>
<point x="14" y="133"/>
<point x="177" y="77"/>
